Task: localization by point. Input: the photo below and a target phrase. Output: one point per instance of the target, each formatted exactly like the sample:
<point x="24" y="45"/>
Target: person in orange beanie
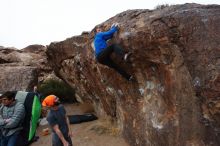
<point x="58" y="121"/>
<point x="50" y="101"/>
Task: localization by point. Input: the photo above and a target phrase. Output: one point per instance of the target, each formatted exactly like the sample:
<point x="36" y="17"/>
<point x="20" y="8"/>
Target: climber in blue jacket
<point x="103" y="51"/>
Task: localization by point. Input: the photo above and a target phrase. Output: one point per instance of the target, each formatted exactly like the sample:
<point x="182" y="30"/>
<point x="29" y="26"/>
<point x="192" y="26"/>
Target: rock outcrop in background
<point x="23" y="69"/>
<point x="176" y="63"/>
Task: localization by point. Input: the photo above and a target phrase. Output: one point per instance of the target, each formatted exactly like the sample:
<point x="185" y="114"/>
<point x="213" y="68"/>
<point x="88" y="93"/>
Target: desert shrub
<point x="162" y="6"/>
<point x="58" y="88"/>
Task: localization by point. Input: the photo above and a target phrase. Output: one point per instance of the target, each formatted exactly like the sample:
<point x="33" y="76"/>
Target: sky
<point x="27" y="22"/>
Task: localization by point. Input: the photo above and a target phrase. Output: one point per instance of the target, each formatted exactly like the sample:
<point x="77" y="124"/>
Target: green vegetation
<point x="58" y="88"/>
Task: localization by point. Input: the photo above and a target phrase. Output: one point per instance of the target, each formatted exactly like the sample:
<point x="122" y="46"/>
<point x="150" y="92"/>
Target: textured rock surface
<point x="176" y="62"/>
<point x="17" y="78"/>
<point x="22" y="69"/>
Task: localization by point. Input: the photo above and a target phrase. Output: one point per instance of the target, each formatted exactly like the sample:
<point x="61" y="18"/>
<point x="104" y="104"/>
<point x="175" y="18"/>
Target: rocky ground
<point x="94" y="133"/>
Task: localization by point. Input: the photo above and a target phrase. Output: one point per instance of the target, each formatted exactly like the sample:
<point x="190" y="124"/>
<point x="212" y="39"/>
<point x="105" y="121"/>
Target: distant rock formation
<point x="23" y="69"/>
<point x="176" y="62"/>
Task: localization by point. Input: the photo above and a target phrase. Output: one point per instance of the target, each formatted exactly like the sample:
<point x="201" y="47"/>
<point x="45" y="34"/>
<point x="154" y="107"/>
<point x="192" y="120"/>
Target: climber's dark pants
<point x="104" y="58"/>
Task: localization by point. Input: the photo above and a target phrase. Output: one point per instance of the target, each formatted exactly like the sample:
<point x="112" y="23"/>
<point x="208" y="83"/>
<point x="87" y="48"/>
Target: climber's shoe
<point x="126" y="56"/>
<point x="131" y="78"/>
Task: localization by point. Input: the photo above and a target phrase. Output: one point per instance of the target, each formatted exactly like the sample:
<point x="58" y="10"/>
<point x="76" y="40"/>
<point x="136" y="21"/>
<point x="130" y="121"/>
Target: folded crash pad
<point x="76" y="119"/>
<point x="32" y="114"/>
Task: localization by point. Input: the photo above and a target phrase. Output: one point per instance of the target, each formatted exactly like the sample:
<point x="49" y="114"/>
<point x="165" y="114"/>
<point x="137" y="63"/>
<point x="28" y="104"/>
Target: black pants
<point x="104" y="58"/>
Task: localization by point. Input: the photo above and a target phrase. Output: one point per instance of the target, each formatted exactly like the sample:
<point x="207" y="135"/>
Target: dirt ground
<point x="94" y="133"/>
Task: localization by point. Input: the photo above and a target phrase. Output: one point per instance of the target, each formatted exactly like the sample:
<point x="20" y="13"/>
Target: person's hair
<point x="9" y="95"/>
<point x="56" y="103"/>
<point x="97" y="27"/>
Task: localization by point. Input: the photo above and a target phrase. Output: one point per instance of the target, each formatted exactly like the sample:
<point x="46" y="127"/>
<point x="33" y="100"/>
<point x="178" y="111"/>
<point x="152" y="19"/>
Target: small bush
<point x="160" y="7"/>
<point x="58" y="88"/>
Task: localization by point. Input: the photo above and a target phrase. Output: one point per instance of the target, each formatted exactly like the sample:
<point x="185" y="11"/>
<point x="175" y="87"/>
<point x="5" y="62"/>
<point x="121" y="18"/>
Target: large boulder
<point x="23" y="69"/>
<point x="176" y="57"/>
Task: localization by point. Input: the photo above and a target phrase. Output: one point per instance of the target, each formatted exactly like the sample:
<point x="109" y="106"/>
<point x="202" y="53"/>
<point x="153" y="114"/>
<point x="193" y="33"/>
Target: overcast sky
<point x="26" y="22"/>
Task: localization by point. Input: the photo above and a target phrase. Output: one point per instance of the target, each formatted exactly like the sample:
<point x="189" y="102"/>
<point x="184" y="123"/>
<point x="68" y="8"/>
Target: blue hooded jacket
<point x="101" y="38"/>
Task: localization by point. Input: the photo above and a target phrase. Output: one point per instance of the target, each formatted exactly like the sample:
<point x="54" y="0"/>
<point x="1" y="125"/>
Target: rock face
<point x="176" y="62"/>
<point x="22" y="69"/>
